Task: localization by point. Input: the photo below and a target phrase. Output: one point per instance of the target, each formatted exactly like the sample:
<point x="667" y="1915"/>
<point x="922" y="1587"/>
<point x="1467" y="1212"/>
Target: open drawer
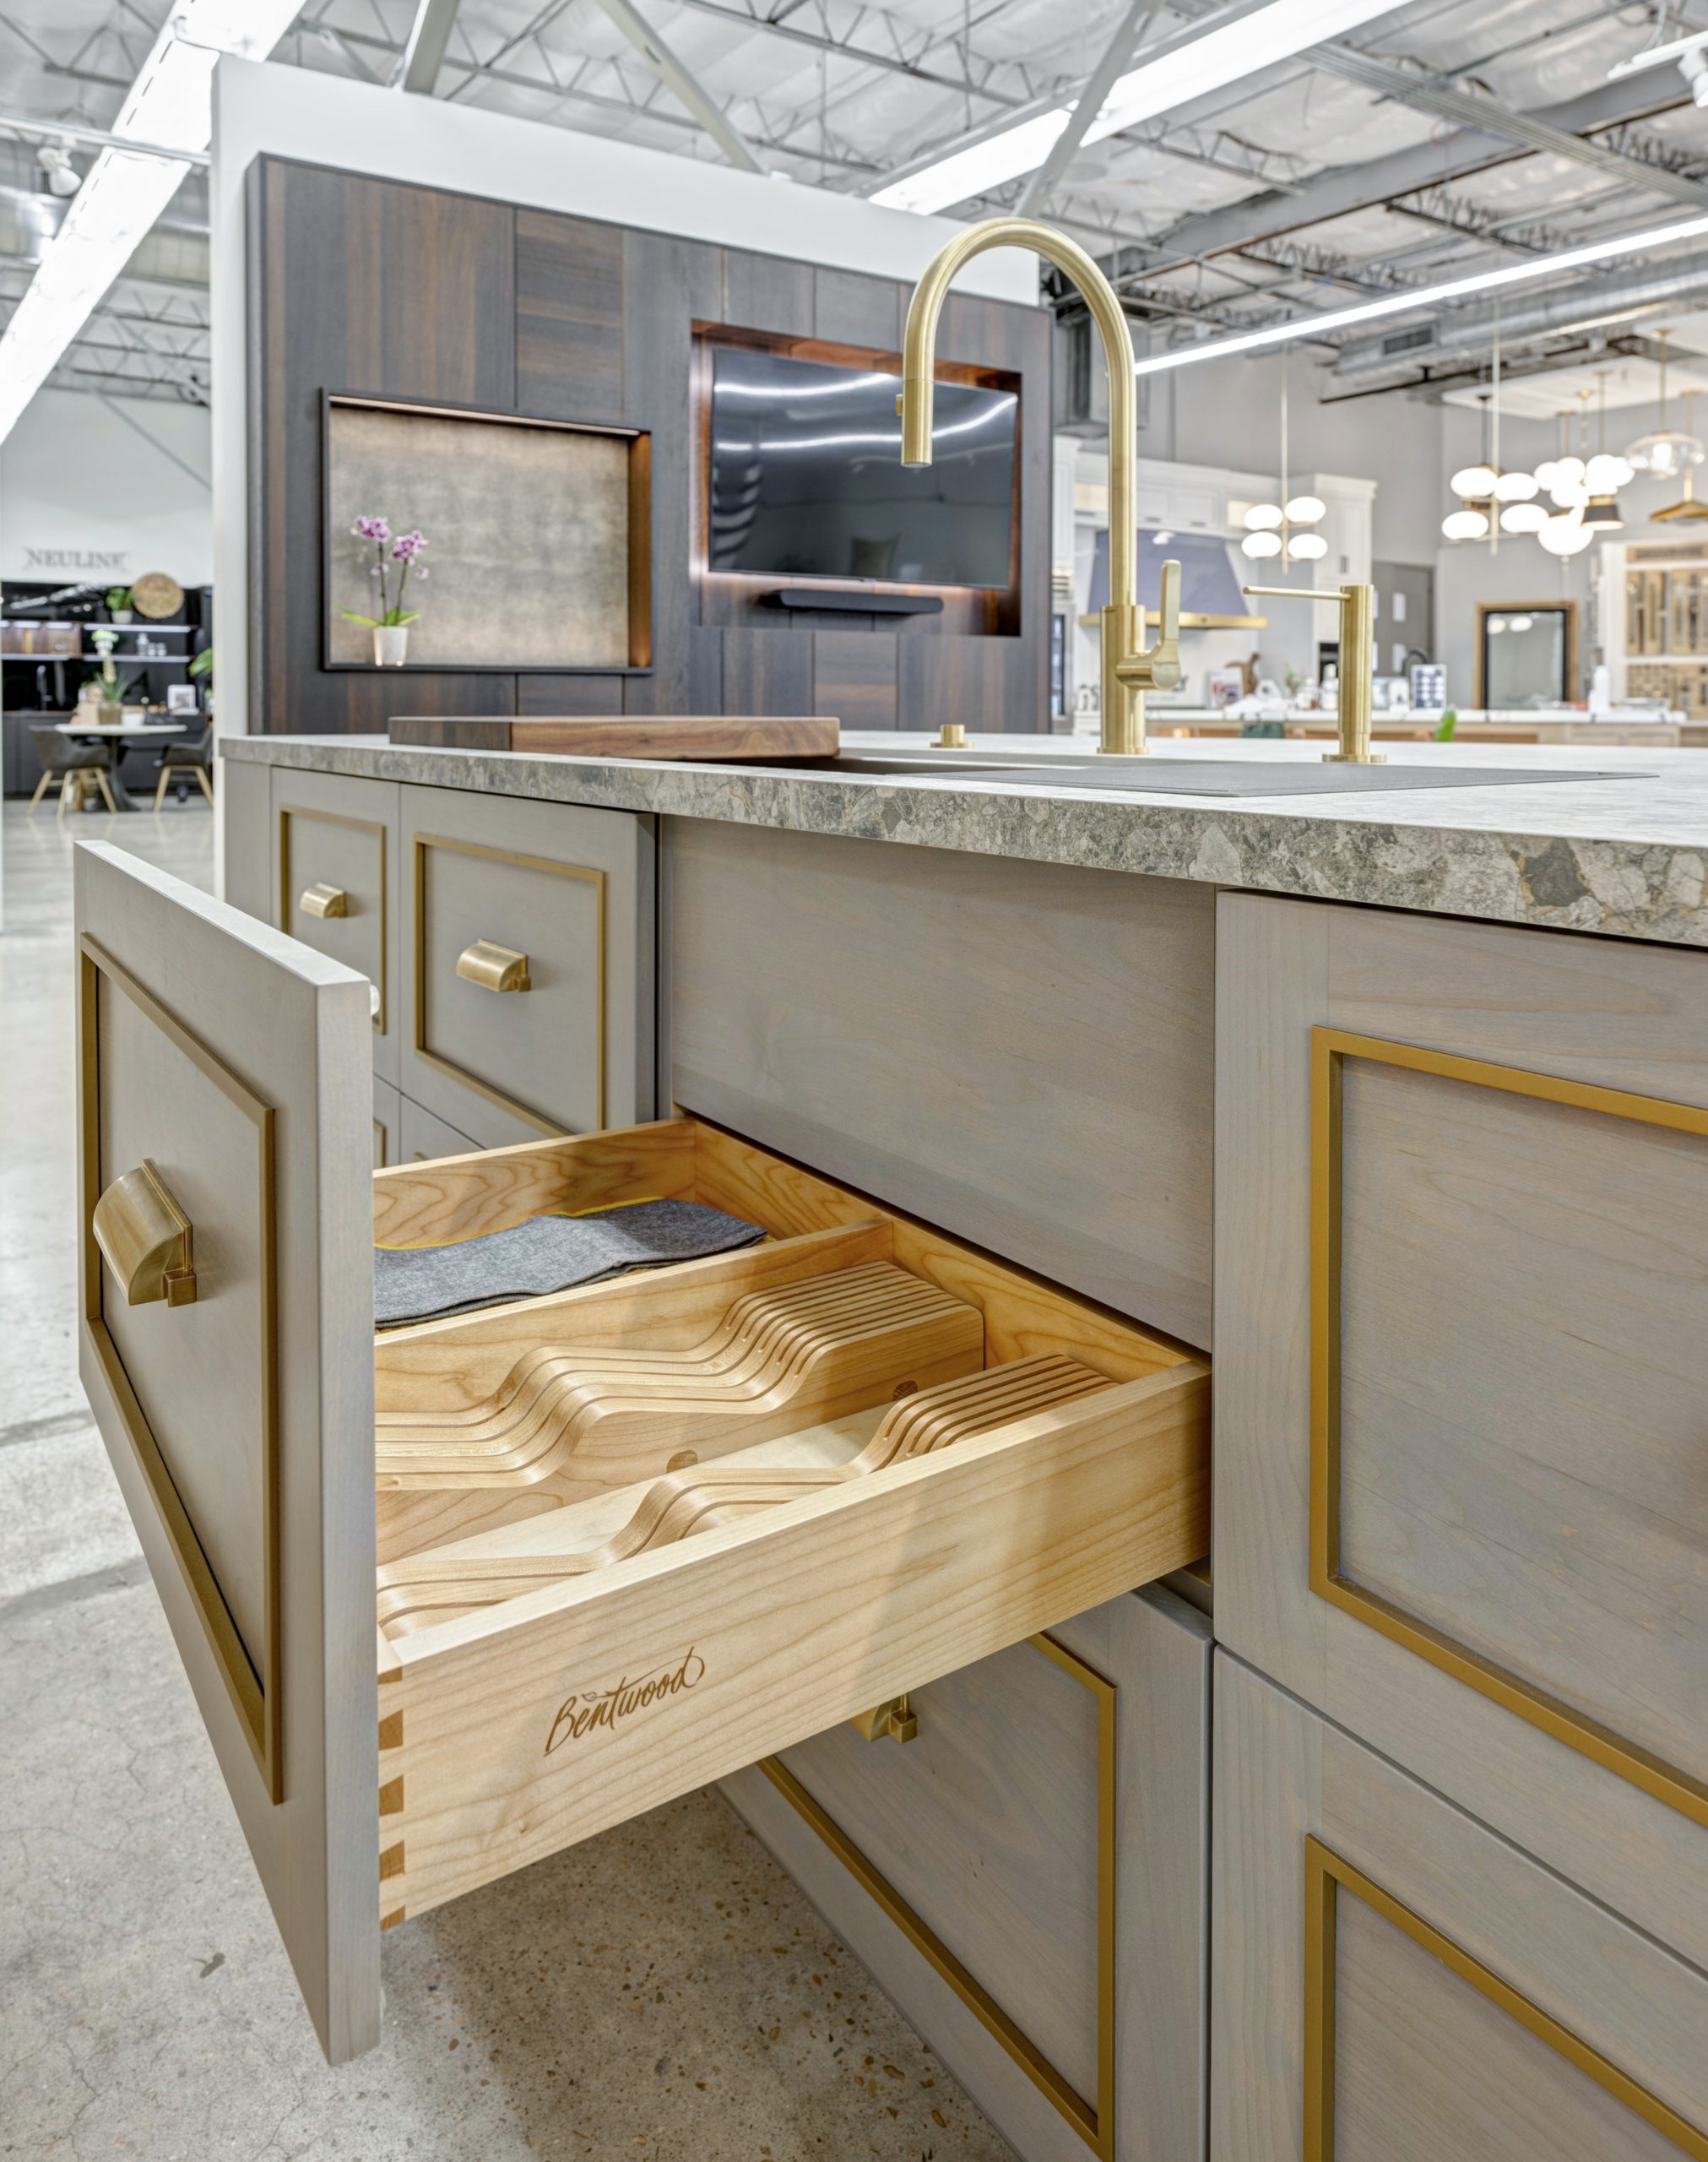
<point x="453" y="1597"/>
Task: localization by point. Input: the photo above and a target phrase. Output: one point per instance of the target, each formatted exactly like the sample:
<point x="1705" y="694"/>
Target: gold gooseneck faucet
<point x="1358" y="664"/>
<point x="1129" y="667"/>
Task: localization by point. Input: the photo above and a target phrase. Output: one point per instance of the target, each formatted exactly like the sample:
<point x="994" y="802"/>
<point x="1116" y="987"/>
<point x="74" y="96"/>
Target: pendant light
<point x="1604" y="475"/>
<point x="1268" y="526"/>
<point x="1566" y="534"/>
<point x="1494" y="501"/>
<point x="1665" y="453"/>
<point x="1687" y="508"/>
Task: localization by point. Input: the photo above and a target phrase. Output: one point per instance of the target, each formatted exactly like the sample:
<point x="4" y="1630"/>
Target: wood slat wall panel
<point x="390" y="289"/>
<point x="569" y="317"/>
<point x="366" y="285"/>
<point x="853" y="676"/>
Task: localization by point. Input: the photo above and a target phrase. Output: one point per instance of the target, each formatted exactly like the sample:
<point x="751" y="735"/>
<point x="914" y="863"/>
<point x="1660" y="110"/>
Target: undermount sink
<point x="1213" y="777"/>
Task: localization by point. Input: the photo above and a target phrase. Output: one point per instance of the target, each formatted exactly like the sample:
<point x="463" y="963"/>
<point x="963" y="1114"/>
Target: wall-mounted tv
<point x="807" y="479"/>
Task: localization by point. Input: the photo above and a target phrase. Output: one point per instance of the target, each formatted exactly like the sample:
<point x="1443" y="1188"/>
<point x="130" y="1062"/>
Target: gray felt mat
<point x="547" y="1254"/>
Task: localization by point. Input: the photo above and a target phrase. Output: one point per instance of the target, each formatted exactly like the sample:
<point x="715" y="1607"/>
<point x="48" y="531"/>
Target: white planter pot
<point x="121" y="615"/>
<point x="391" y="643"/>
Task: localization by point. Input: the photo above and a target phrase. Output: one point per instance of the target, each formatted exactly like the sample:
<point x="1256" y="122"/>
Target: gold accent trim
<point x="255" y="1697"/>
<point x="1095" y="2123"/>
<point x="286" y="812"/>
<point x="1325" y="1874"/>
<point x="423" y="842"/>
<point x="1330" y="1049"/>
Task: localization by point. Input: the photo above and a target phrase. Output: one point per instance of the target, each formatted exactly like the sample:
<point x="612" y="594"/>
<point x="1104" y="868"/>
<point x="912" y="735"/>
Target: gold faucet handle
<point x="1157" y="666"/>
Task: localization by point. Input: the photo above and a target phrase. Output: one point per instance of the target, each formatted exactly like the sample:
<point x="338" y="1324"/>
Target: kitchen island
<point x="1390" y="1108"/>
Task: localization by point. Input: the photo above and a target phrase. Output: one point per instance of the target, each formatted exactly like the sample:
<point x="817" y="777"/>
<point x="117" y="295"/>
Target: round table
<point x="122" y="732"/>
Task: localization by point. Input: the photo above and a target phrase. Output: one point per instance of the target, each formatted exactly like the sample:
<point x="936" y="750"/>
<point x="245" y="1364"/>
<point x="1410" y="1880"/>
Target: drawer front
<point x="245" y="794"/>
<point x="853" y="1004"/>
<point x="1463" y="1198"/>
<point x="422" y="1137"/>
<point x="389" y="1124"/>
<point x="1021" y="1875"/>
<point x="336" y="882"/>
<point x="528" y="961"/>
<point x="225" y="1344"/>
<point x="1393" y="1983"/>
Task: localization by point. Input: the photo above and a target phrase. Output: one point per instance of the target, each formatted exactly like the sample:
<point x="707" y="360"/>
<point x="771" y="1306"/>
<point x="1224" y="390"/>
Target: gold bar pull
<point x="144" y="1238"/>
<point x="322" y="900"/>
<point x="494" y="968"/>
<point x="894" y="1720"/>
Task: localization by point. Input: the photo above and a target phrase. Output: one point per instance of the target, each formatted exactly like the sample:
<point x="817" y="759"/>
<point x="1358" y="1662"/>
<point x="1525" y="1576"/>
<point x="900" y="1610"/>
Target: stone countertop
<point x="1625" y="857"/>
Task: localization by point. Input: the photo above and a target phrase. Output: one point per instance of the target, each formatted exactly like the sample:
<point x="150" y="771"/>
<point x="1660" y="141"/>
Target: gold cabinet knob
<point x="493" y="967"/>
<point x="322" y="900"/>
<point x="144" y="1239"/>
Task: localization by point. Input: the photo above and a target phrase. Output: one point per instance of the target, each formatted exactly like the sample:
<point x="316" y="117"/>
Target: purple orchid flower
<point x="407" y="546"/>
<point x="404" y="552"/>
<point x="371" y="528"/>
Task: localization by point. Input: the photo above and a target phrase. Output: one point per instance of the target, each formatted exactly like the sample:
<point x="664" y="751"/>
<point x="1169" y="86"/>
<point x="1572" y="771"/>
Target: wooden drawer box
<point x="528" y="965"/>
<point x="334" y="884"/>
<point x="1027" y="1877"/>
<point x="1462" y="1309"/>
<point x="275" y="1456"/>
<point x="1391" y="1982"/>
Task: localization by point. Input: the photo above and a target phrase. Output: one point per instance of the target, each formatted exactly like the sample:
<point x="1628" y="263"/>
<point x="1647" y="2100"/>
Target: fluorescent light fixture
<point x="1428" y="296"/>
<point x="1657" y="55"/>
<point x="169" y="105"/>
<point x="1190" y="66"/>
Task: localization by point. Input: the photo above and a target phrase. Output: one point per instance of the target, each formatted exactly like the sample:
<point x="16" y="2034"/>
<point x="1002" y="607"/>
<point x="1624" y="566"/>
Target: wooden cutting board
<point x="715" y="736"/>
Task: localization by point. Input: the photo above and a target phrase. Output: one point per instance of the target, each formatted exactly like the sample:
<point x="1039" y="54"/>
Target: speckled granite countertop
<point x="1626" y="857"/>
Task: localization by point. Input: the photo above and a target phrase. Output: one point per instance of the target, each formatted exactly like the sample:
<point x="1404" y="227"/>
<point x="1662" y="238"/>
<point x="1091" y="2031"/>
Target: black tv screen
<point x="807" y="479"/>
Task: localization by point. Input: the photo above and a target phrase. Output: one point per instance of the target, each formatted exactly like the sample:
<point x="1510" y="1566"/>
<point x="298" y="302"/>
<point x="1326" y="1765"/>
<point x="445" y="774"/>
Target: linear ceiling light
<point x="1657" y="55"/>
<point x="169" y="107"/>
<point x="1197" y="62"/>
<point x="1427" y="297"/>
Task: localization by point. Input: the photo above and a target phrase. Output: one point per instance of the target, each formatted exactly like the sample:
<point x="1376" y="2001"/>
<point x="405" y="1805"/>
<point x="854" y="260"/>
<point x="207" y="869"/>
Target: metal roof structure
<point x="1444" y="136"/>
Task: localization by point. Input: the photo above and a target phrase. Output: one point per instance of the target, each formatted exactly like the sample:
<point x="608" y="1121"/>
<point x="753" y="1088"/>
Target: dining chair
<point x="72" y="765"/>
<point x="197" y="758"/>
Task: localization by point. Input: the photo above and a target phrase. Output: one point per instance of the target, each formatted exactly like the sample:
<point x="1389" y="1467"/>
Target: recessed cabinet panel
<point x="423" y="1138"/>
<point x="528" y="943"/>
<point x="1462" y="1191"/>
<point x="334" y="861"/>
<point x="1392" y="1982"/>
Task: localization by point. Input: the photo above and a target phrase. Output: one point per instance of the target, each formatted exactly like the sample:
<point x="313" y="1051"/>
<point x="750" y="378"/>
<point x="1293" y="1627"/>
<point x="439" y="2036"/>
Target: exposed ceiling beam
<point x="685" y="85"/>
<point x="863" y="55"/>
<point x="1090" y="102"/>
<point x="1340" y="190"/>
<point x="424" y="49"/>
<point x="1477" y="109"/>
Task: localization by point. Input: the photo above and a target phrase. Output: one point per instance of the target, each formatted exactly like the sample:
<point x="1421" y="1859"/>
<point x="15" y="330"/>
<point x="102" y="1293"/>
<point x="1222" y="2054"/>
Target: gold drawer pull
<point x="894" y="1719"/>
<point x="144" y="1238"/>
<point x="325" y="900"/>
<point x="494" y="968"/>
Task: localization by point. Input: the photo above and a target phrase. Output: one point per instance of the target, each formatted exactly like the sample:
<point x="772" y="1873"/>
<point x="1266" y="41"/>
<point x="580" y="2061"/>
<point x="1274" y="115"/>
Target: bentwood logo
<point x="587" y="1711"/>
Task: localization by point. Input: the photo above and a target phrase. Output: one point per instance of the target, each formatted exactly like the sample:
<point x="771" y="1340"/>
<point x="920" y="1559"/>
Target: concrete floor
<point x="664" y="1991"/>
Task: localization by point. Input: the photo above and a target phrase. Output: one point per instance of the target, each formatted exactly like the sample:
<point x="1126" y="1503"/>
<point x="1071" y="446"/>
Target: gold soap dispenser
<point x="1130" y="666"/>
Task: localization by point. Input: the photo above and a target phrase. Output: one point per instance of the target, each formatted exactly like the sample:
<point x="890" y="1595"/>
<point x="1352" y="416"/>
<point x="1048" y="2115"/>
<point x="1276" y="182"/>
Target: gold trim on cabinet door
<point x="286" y="812"/>
<point x="1094" y="2123"/>
<point x="1330" y="1048"/>
<point x="256" y="1697"/>
<point x="1325" y="1874"/>
<point x="423" y="842"/>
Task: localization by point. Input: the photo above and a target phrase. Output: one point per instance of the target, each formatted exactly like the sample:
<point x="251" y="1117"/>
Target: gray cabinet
<point x="389" y="1124"/>
<point x="1027" y="1877"/>
<point x="334" y="848"/>
<point x="1462" y="1248"/>
<point x="528" y="940"/>
<point x="1394" y="1982"/>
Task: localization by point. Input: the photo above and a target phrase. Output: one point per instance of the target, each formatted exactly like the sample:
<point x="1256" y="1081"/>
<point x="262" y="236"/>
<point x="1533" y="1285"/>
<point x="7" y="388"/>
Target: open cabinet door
<point x="225" y="1341"/>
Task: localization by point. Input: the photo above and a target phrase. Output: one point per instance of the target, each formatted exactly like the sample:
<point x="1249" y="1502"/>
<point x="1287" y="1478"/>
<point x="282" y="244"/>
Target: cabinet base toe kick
<point x="601" y="1547"/>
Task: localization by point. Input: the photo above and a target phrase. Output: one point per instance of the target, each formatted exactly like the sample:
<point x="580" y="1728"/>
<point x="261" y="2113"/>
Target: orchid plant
<point x="400" y="554"/>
